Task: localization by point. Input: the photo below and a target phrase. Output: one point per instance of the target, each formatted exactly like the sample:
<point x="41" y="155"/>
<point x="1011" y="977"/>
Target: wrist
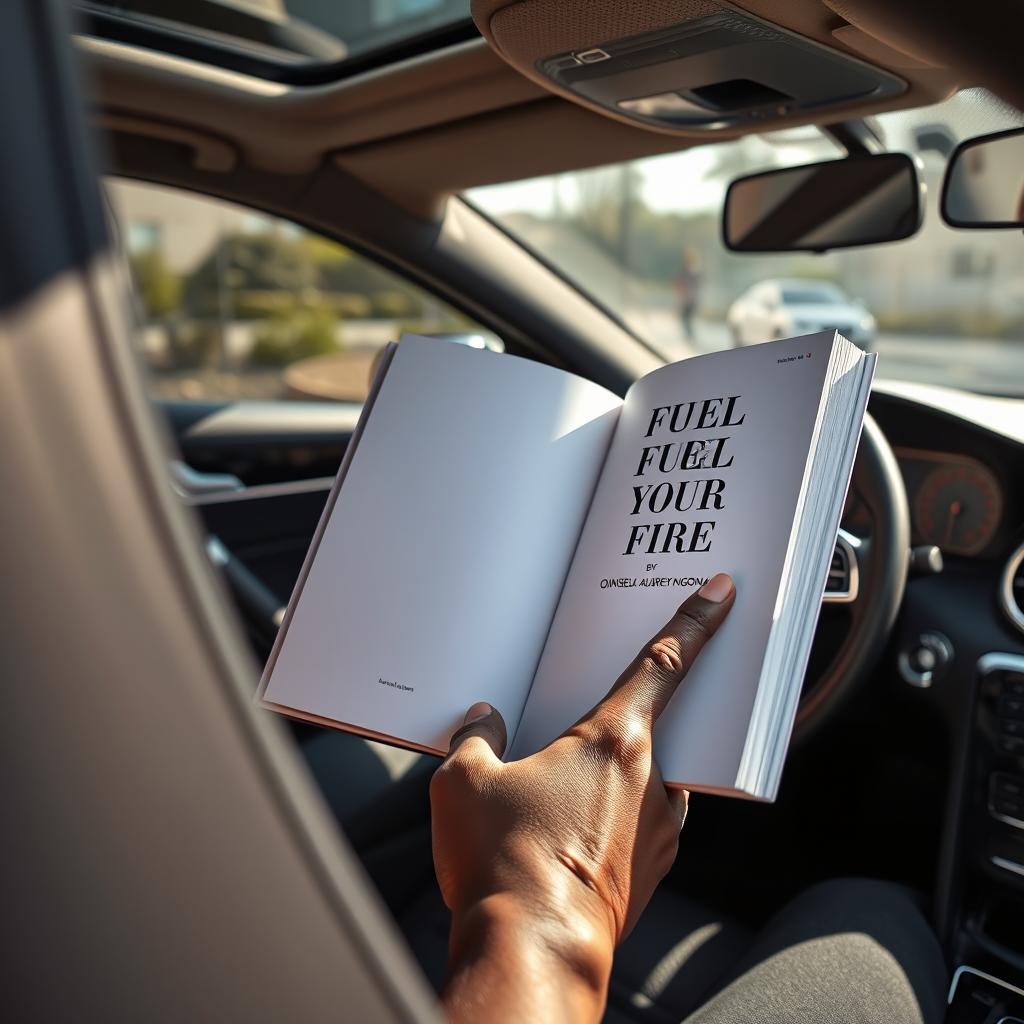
<point x="504" y="951"/>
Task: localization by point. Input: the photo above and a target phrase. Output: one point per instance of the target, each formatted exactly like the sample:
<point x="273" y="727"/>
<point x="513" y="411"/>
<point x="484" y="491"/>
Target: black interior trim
<point x="256" y="423"/>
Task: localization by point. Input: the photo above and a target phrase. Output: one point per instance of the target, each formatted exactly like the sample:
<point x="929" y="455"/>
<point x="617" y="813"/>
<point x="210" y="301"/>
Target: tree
<point x="255" y="263"/>
<point x="286" y="337"/>
<point x="158" y="286"/>
<point x="357" y="282"/>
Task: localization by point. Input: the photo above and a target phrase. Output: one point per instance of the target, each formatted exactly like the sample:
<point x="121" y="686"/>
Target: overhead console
<point x="681" y="66"/>
<point x="715" y="72"/>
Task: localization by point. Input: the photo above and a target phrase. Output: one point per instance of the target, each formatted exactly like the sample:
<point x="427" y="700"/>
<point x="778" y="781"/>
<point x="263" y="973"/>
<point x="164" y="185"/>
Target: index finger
<point x="646" y="687"/>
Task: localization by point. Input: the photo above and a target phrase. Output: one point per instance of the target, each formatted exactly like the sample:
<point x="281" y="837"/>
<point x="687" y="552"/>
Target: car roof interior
<point x="478" y="111"/>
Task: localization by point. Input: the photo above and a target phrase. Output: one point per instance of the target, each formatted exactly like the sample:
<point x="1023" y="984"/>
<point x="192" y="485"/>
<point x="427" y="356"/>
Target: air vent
<point x="843" y="575"/>
<point x="1011" y="589"/>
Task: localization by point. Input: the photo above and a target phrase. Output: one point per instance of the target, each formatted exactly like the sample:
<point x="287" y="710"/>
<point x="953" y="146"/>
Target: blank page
<point x="437" y="574"/>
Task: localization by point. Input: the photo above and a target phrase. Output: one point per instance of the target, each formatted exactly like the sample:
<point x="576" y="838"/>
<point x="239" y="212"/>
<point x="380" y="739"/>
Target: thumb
<point x="482" y="722"/>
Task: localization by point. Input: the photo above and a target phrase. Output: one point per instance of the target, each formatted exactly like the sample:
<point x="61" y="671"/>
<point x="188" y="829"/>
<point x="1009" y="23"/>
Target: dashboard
<point x="956" y="659"/>
<point x="962" y="472"/>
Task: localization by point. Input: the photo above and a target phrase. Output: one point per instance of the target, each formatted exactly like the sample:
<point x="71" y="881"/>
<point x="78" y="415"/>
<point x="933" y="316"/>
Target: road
<point x="992" y="366"/>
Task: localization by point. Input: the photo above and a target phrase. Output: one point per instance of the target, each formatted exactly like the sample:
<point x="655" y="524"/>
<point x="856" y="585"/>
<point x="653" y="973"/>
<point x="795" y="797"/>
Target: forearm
<point x="509" y="965"/>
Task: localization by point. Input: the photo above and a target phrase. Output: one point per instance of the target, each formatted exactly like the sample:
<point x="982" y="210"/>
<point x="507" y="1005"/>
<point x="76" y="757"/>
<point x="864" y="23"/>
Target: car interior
<point x="424" y="156"/>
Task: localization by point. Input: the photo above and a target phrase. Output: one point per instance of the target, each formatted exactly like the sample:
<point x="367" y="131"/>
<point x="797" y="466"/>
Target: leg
<point x="687" y="318"/>
<point x="847" y="950"/>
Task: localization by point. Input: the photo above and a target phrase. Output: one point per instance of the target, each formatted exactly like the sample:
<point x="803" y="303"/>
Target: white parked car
<point x="788" y="308"/>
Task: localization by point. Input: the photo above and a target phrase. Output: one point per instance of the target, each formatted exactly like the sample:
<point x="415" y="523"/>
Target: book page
<point x="439" y="568"/>
<point x="702" y="477"/>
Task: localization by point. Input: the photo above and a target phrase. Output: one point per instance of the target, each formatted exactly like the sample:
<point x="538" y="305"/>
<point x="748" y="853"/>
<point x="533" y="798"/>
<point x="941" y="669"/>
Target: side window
<point x="238" y="305"/>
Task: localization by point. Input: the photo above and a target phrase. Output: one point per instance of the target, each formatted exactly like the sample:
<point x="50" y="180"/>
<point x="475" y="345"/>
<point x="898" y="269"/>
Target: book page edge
<point x="357" y="730"/>
<point x="744" y="768"/>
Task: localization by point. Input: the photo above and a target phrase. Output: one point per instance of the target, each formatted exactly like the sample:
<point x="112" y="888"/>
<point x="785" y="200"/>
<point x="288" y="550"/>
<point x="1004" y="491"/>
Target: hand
<point x="547" y="862"/>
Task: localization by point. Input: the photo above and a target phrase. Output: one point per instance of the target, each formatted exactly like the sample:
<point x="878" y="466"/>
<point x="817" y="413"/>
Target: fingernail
<point x="717" y="589"/>
<point x="479" y="710"/>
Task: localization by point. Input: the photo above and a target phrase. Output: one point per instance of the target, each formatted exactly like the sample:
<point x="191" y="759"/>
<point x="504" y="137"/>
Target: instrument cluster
<point x="956" y="502"/>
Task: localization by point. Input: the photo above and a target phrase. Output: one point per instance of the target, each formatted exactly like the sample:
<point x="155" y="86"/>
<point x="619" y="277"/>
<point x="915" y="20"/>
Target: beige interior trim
<point x="208" y="153"/>
<point x="875" y="50"/>
<point x="869" y="22"/>
<point x="289" y="129"/>
<point x="424" y="128"/>
<point x="101" y="53"/>
<point x="546" y="137"/>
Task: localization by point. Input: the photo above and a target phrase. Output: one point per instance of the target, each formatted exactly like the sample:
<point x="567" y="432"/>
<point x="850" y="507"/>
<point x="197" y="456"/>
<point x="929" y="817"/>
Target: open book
<point x="504" y="531"/>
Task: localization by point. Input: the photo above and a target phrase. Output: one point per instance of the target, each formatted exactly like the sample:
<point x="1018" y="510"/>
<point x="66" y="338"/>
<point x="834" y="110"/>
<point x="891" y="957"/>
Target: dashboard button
<point x="922" y="663"/>
<point x="1007" y="785"/>
<point x="1011" y="707"/>
<point x="1012" y="745"/>
<point x="1013" y="684"/>
<point x="1003" y="805"/>
<point x="1012" y="727"/>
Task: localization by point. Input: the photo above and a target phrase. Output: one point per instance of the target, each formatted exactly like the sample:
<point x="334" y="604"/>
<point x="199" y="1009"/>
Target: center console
<point x="989" y="985"/>
<point x="979" y="998"/>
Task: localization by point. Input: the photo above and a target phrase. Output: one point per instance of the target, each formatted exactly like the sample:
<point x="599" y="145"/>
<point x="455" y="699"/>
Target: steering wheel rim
<point x="882" y="571"/>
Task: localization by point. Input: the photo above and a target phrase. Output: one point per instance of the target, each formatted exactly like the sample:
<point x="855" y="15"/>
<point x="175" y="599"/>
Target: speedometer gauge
<point x="958" y="507"/>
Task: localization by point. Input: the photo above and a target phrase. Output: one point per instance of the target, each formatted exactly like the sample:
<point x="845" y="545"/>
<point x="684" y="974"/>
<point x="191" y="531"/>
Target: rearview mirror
<point x="984" y="185"/>
<point x="861" y="200"/>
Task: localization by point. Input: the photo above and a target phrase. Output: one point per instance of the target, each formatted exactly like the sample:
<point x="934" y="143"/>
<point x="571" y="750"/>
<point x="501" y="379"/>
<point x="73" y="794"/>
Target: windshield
<point x="644" y="238"/>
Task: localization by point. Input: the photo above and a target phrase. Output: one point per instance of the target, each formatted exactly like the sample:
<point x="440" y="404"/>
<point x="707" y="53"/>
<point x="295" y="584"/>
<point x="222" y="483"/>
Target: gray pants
<point x="847" y="950"/>
<point x="850" y="950"/>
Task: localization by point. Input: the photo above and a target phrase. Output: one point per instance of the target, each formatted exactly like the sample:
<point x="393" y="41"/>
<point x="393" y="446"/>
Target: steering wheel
<point x="880" y="543"/>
